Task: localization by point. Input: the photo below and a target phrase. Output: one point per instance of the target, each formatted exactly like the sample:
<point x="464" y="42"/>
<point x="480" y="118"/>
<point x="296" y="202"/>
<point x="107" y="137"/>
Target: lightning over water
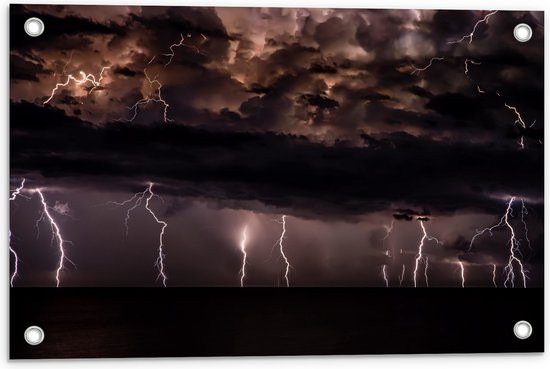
<point x="242" y="272"/>
<point x="385" y="276"/>
<point x="56" y="236"/>
<point x="513" y="242"/>
<point x="282" y="251"/>
<point x="462" y="278"/>
<point x="136" y="201"/>
<point x="239" y="114"/>
<point x="402" y="276"/>
<point x="420" y="255"/>
<point x="13" y="196"/>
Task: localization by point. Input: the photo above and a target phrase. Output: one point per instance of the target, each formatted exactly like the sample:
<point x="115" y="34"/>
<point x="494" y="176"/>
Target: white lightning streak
<point x="13" y="196"/>
<point x="419" y="255"/>
<point x="466" y="71"/>
<point x="16" y="264"/>
<point x="514" y="245"/>
<point x="418" y="70"/>
<point x="147" y="100"/>
<point x="523" y="214"/>
<point x="281" y="249"/>
<point x="518" y="115"/>
<point x="172" y="53"/>
<point x="462" y="273"/>
<point x="402" y="275"/>
<point x="136" y="200"/>
<point x="17" y="191"/>
<point x="242" y="272"/>
<point x="83" y="79"/>
<point x="426" y="272"/>
<point x="471" y="34"/>
<point x="56" y="234"/>
<point x="495" y="275"/>
<point x="160" y="259"/>
<point x="387" y="253"/>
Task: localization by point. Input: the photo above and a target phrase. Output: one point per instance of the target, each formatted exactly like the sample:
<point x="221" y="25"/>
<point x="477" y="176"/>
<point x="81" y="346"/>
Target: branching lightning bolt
<point x="471" y="34"/>
<point x="13" y="196"/>
<point x="136" y="200"/>
<point x="84" y="77"/>
<point x="419" y="255"/>
<point x="242" y="272"/>
<point x="513" y="241"/>
<point x="418" y="70"/>
<point x="282" y="251"/>
<point x="519" y="119"/>
<point x="56" y="235"/>
<point x="151" y="98"/>
<point x="156" y="86"/>
<point x="160" y="259"/>
<point x="171" y="54"/>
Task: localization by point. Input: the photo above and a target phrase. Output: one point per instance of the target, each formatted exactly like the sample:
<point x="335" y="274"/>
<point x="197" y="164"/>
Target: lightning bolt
<point x="281" y="249"/>
<point x="64" y="70"/>
<point x="426" y="271"/>
<point x="158" y="99"/>
<point x="419" y="255"/>
<point x="471" y="34"/>
<point x="13" y="196"/>
<point x="418" y="70"/>
<point x="171" y="54"/>
<point x="155" y="82"/>
<point x="462" y="272"/>
<point x="402" y="275"/>
<point x="242" y="272"/>
<point x="519" y="119"/>
<point x="389" y="229"/>
<point x="16" y="263"/>
<point x="385" y="275"/>
<point x="495" y="275"/>
<point x="466" y="71"/>
<point x="523" y="214"/>
<point x="79" y="81"/>
<point x="17" y="191"/>
<point x="56" y="235"/>
<point x="136" y="200"/>
<point x="513" y="241"/>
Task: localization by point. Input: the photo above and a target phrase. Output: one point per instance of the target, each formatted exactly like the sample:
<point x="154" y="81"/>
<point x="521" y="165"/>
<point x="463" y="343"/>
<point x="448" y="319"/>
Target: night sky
<point x="347" y="122"/>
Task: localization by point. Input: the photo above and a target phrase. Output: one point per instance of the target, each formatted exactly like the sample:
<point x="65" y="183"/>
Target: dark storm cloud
<point x="322" y="69"/>
<point x="410" y="214"/>
<point x="366" y="55"/>
<point x="58" y="30"/>
<point x="25" y="70"/>
<point x="125" y="71"/>
<point x="324" y="182"/>
<point x="319" y="101"/>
